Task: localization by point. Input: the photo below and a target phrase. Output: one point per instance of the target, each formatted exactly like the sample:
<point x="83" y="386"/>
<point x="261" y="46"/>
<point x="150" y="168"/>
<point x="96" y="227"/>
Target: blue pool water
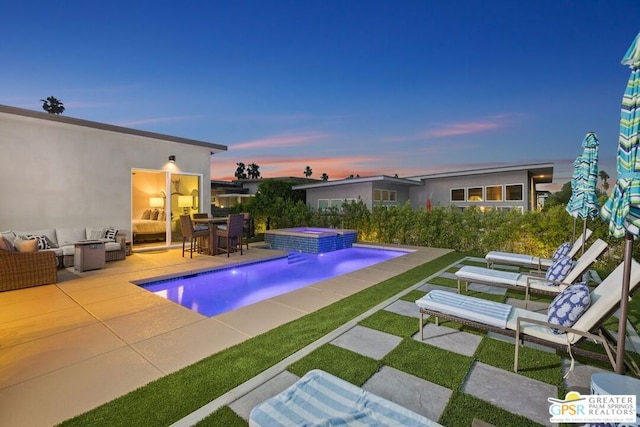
<point x="227" y="289"/>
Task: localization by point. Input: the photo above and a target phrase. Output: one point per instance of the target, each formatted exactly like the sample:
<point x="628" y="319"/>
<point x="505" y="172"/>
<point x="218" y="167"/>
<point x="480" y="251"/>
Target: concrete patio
<point x="69" y="347"/>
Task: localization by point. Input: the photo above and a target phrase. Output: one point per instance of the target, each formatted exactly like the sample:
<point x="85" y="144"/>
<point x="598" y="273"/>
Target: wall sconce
<point x="156" y="202"/>
<point x="185" y="202"/>
<point x="172" y="158"/>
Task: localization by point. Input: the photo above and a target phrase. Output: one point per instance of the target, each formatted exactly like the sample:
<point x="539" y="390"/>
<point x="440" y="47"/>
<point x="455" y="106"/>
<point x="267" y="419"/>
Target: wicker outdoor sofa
<point x="26" y="269"/>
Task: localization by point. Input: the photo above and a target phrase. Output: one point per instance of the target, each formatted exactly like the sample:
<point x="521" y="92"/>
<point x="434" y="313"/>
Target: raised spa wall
<point x="310" y="240"/>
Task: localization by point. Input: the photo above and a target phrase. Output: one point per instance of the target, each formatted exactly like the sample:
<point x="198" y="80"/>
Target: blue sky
<point x="345" y="87"/>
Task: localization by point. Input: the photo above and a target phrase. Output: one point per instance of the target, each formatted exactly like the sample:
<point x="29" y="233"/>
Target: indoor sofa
<point x="61" y="241"/>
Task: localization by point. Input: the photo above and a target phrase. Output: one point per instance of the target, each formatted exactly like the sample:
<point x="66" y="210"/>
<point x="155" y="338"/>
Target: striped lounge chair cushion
<point x="472" y="273"/>
<point x="466" y="307"/>
<point x="320" y="399"/>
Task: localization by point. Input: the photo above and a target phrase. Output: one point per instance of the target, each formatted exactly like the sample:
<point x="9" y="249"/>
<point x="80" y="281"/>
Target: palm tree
<point x="240" y="171"/>
<point x="325" y="177"/>
<point x="604" y="176"/>
<point x="52" y="105"/>
<point x="252" y="171"/>
<point x="308" y="172"/>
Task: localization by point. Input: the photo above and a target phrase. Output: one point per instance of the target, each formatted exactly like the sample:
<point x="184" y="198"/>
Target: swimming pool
<point x="227" y="289"/>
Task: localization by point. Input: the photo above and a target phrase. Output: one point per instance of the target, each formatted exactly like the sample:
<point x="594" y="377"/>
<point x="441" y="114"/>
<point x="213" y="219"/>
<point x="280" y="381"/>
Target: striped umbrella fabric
<point x="622" y="209"/>
<point x="584" y="202"/>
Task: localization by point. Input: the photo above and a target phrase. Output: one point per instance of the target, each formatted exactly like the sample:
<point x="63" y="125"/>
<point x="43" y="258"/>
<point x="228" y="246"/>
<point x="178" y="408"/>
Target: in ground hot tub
<point x="310" y="240"/>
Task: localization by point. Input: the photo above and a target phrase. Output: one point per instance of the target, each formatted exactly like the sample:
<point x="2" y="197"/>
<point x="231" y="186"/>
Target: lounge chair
<point x="530" y="283"/>
<point x="533" y="326"/>
<point x="319" y="398"/>
<point x="530" y="261"/>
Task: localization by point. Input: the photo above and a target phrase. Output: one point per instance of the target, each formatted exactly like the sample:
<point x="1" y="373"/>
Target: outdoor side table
<point x="603" y="383"/>
<point x="89" y="255"/>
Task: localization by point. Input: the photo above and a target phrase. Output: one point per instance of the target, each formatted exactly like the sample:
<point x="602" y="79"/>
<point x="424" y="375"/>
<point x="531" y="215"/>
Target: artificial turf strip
<point x="443" y="281"/>
<point x="536" y="364"/>
<point x="223" y="417"/>
<point x="174" y="396"/>
<point x="413" y="296"/>
<point x="463" y="408"/>
<point x="392" y="323"/>
<point x="430" y="363"/>
<point x="348" y="365"/>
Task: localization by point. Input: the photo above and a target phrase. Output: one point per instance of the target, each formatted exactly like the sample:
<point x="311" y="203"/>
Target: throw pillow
<point x="146" y="214"/>
<point x="111" y="234"/>
<point x="23" y="245"/>
<point x="6" y="245"/>
<point x="567" y="307"/>
<point x="559" y="269"/>
<point x="43" y="242"/>
<point x="154" y="215"/>
<point x="97" y="233"/>
<point x="562" y="251"/>
<point x="162" y="216"/>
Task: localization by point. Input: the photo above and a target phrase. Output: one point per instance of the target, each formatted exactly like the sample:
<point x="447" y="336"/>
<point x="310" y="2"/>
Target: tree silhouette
<point x="308" y="172"/>
<point x="241" y="172"/>
<point x="604" y="176"/>
<point x="325" y="177"/>
<point x="252" y="171"/>
<point x="52" y="105"/>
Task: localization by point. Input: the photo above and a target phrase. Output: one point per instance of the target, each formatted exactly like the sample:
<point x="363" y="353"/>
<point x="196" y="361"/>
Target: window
<point x="385" y="196"/>
<point x="323" y="204"/>
<point x="457" y="194"/>
<point x="513" y="192"/>
<point x="494" y="193"/>
<point x="475" y="194"/>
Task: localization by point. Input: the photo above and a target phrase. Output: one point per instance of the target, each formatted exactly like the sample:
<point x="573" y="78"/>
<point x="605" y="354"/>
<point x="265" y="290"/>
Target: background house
<point x="60" y="171"/>
<point x="507" y="187"/>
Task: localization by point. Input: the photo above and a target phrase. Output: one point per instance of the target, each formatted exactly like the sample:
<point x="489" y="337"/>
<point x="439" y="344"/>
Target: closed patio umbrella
<point x="622" y="209"/>
<point x="574" y="185"/>
<point x="584" y="202"/>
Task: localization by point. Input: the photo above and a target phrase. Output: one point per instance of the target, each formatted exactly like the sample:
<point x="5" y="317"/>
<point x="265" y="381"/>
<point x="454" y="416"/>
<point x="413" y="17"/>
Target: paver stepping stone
<point x="416" y="394"/>
<point x="492" y="290"/>
<point x="368" y="342"/>
<point x="267" y="390"/>
<point x="510" y="391"/>
<point x="404" y="308"/>
<point x="450" y="339"/>
<point x="579" y="379"/>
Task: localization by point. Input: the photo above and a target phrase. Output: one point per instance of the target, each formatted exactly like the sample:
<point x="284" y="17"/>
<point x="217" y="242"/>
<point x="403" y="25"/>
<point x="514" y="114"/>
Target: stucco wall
<point x="63" y="175"/>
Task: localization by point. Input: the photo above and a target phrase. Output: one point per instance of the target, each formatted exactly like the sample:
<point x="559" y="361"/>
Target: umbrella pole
<point x="573" y="240"/>
<point x="624" y="303"/>
<point x="584" y="233"/>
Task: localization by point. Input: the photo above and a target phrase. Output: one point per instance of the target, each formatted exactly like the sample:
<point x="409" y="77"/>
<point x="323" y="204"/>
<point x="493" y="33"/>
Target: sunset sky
<point x="345" y="87"/>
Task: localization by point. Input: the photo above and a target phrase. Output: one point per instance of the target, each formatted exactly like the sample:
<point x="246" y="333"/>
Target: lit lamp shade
<point x="185" y="201"/>
<point x="156" y="202"/>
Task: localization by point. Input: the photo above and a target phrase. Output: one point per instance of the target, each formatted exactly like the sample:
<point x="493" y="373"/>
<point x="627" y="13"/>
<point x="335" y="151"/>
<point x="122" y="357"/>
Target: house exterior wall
<point x="438" y="190"/>
<point x="361" y="190"/>
<point x="57" y="174"/>
<point x="358" y="190"/>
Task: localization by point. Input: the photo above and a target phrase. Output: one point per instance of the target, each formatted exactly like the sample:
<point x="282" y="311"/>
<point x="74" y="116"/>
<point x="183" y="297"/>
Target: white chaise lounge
<point x="528" y="282"/>
<point x="530" y="261"/>
<point x="321" y="399"/>
<point x="533" y="326"/>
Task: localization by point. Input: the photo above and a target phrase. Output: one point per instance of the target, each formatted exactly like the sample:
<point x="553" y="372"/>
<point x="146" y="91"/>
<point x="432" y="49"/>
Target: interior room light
<point x="156" y="202"/>
<point x="185" y="202"/>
